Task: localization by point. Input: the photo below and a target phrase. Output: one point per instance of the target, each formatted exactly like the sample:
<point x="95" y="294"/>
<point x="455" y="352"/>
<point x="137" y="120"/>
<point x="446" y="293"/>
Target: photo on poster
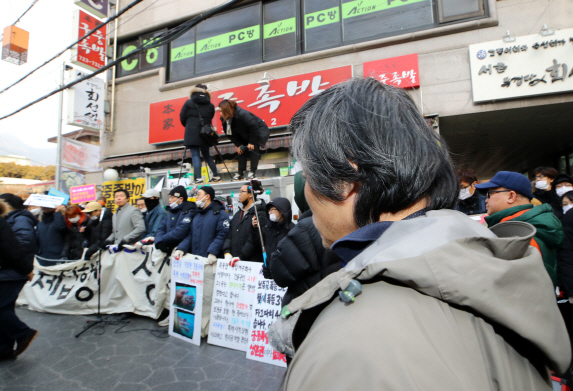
<point x="184" y="323"/>
<point x="185" y="296"/>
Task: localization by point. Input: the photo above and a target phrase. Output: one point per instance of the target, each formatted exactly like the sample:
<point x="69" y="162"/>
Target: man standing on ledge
<point x="128" y="224"/>
<point x="429" y="299"/>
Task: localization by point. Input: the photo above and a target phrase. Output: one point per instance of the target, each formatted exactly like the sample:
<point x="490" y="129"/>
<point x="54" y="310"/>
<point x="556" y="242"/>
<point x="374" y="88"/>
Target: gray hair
<point x="398" y="159"/>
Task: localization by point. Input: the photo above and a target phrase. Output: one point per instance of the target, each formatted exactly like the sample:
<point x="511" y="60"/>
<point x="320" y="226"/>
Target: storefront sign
<point x="90" y="52"/>
<point x="86" y="101"/>
<point x="530" y="65"/>
<point x="84" y="193"/>
<point x="401" y="72"/>
<point x="135" y="187"/>
<point x="80" y="156"/>
<point x="95" y="7"/>
<point x="275" y="103"/>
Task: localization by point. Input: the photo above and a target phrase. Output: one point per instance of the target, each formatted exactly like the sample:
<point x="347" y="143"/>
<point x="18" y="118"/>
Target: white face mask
<point x="173" y="205"/>
<point x="143" y="210"/>
<point x="567" y="207"/>
<point x="200" y="203"/>
<point x="465" y="193"/>
<point x="542" y="185"/>
<point x="94" y="217"/>
<point x="74" y="220"/>
<point x="36" y="211"/>
<point x="562" y="190"/>
<point x="273" y="217"/>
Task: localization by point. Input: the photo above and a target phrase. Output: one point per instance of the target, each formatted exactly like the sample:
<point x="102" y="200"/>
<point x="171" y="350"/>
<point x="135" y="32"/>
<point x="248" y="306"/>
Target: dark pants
<point x="255" y="156"/>
<point x="12" y="328"/>
<point x="196" y="153"/>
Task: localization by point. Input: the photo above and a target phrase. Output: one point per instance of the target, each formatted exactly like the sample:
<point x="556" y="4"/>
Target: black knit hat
<point x="178" y="192"/>
<point x="210" y="191"/>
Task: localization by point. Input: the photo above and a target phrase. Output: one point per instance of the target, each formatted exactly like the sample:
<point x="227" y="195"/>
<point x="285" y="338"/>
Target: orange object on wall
<point x="15" y="45"/>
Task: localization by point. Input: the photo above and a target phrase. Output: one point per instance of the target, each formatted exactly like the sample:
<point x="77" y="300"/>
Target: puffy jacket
<point x="74" y="244"/>
<point x="273" y="233"/>
<point x="128" y="225"/>
<point x="199" y="104"/>
<point x="51" y="233"/>
<point x="246" y="128"/>
<point x="237" y="243"/>
<point x="555" y="199"/>
<point x="445" y="305"/>
<point x="548" y="237"/>
<point x="23" y="224"/>
<point x="98" y="231"/>
<point x="301" y="260"/>
<point x="15" y="261"/>
<point x="177" y="225"/>
<point x="472" y="205"/>
<point x="153" y="220"/>
<point x="209" y="230"/>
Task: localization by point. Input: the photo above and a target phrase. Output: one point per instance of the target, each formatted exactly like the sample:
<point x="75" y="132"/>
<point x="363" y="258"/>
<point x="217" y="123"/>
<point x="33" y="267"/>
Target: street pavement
<point x="132" y="358"/>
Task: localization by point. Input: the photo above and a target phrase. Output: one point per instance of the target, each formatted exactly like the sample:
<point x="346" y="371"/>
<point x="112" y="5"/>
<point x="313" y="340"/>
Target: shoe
<point x="251" y="175"/>
<point x="164" y="322"/>
<point x="198" y="180"/>
<point x="216" y="179"/>
<point x="24" y="342"/>
<point x="237" y="177"/>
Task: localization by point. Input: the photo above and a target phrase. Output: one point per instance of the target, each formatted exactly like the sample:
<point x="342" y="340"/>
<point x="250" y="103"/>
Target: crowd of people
<point x="461" y="304"/>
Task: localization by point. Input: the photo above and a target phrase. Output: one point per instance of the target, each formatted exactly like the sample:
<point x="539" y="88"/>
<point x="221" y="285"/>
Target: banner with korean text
<point x="86" y="193"/>
<point x="400" y="72"/>
<point x="135" y="187"/>
<point x="86" y="102"/>
<point x="90" y="52"/>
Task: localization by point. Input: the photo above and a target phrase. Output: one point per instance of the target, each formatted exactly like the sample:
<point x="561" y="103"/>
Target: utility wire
<point x="158" y="41"/>
<point x="131" y="5"/>
<point x="21" y="16"/>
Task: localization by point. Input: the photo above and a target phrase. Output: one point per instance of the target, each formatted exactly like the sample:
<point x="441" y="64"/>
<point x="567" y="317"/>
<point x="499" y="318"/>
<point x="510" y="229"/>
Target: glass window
<point x="151" y="58"/>
<point x="182" y="57"/>
<point x="369" y="19"/>
<point x="131" y="65"/>
<point x="280" y="33"/>
<point x="451" y="10"/>
<point x="230" y="40"/>
<point x="321" y="22"/>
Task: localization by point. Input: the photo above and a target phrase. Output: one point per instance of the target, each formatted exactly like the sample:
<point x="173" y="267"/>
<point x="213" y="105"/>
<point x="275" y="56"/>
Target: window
<point x="182" y="57"/>
<point x="453" y="10"/>
<point x="280" y="32"/>
<point x="131" y="65"/>
<point x="321" y="21"/>
<point x="149" y="59"/>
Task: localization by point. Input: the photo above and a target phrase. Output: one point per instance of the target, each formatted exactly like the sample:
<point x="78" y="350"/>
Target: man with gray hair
<point x="428" y="298"/>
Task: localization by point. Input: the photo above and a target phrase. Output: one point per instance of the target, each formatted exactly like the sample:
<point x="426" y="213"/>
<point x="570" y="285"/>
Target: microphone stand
<point x="254" y="192"/>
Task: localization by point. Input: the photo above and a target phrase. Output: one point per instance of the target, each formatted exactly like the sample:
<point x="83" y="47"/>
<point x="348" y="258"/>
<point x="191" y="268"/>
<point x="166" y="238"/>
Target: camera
<point x="256" y="187"/>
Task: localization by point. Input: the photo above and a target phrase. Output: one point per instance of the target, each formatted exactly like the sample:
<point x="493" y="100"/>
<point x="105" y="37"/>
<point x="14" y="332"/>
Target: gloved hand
<point x="161" y="247"/>
<point x="138" y="245"/>
<point x="267" y="273"/>
<point x="106" y="244"/>
<point x="228" y="257"/>
<point x="212" y="259"/>
<point x="233" y="261"/>
<point x="148" y="240"/>
<point x="178" y="254"/>
<point x="120" y="245"/>
<point x="129" y="247"/>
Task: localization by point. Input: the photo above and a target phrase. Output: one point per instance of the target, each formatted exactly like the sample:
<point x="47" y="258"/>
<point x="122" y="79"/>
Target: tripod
<point x="185" y="154"/>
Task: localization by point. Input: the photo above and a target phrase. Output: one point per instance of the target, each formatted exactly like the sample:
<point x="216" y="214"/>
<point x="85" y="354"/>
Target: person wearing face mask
<point x="51" y="233"/>
<point x="470" y="201"/>
<point x="154" y="216"/>
<point x="177" y="225"/>
<point x="140" y="203"/>
<point x="562" y="184"/>
<point x="76" y="221"/>
<point x="99" y="227"/>
<point x="543" y="179"/>
<point x="22" y="222"/>
<point x="237" y="243"/>
<point x="279" y="225"/>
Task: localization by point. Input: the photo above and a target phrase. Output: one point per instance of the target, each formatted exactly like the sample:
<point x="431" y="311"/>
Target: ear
<point x="512" y="197"/>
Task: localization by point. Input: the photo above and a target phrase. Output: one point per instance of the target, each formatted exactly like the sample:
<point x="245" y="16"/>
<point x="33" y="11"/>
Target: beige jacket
<point x="446" y="305"/>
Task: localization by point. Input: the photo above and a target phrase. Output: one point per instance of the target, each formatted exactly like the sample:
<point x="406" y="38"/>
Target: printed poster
<point x="135" y="187"/>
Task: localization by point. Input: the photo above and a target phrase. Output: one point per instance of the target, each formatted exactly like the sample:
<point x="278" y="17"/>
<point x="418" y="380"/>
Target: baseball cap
<point x="510" y="180"/>
<point x="151" y="193"/>
<point x="178" y="192"/>
<point x="92" y="206"/>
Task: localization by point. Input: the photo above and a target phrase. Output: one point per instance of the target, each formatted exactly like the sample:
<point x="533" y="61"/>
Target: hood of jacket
<point x="283" y="205"/>
<point x="200" y="92"/>
<point x="299" y="197"/>
<point x="22" y="213"/>
<point x="201" y="98"/>
<point x="454" y="259"/>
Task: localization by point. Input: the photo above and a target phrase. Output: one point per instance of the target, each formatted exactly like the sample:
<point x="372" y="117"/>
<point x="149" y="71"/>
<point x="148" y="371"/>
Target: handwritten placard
<point x="85" y="193"/>
<point x="232" y="306"/>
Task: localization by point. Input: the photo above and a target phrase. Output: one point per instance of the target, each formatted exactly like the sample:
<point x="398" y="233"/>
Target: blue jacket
<point x="177" y="225"/>
<point x="153" y="220"/>
<point x="51" y="233"/>
<point x="210" y="228"/>
<point x="23" y="224"/>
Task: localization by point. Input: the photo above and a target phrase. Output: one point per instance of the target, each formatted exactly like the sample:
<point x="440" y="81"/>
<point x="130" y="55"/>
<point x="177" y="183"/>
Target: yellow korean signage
<point x="135" y="188"/>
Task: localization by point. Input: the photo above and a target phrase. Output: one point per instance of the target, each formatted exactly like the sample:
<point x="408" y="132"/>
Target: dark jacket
<point x="565" y="256"/>
<point x="555" y="199"/>
<point x="97" y="232"/>
<point x="272" y="232"/>
<point x="247" y="128"/>
<point x="74" y="244"/>
<point x="23" y="224"/>
<point x="548" y="237"/>
<point x="153" y="220"/>
<point x="176" y="226"/>
<point x="237" y="243"/>
<point x="301" y="260"/>
<point x="15" y="262"/>
<point x="200" y="103"/>
<point x="472" y="205"/>
<point x="209" y="230"/>
<point x="51" y="234"/>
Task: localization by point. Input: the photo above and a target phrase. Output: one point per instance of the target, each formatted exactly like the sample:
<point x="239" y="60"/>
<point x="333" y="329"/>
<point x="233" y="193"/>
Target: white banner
<point x="80" y="156"/>
<point x="267" y="308"/>
<point x="232" y="305"/>
<point x="86" y="101"/>
<point x="46" y="201"/>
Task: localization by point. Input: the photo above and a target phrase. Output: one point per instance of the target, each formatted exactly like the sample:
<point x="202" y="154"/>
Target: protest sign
<point x="55" y="193"/>
<point x="232" y="305"/>
<point x="186" y="298"/>
<point x="84" y="193"/>
<point x="135" y="187"/>
<point x="266" y="309"/>
<point x="45" y="201"/>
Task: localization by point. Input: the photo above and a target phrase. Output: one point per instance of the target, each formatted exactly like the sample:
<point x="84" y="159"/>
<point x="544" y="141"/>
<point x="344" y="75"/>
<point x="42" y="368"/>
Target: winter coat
<point x="177" y="225"/>
<point x="153" y="220"/>
<point x="555" y="199"/>
<point x="74" y="244"/>
<point x="548" y="237"/>
<point x="273" y="233"/>
<point x="128" y="225"/>
<point x="472" y="205"/>
<point x="246" y="128"/>
<point x="15" y="259"/>
<point x="98" y="231"/>
<point x="565" y="256"/>
<point x="209" y="230"/>
<point x="445" y="305"/>
<point x="546" y="197"/>
<point x="301" y="260"/>
<point x="23" y="224"/>
<point x="200" y="103"/>
<point x="51" y="233"/>
<point x="237" y="243"/>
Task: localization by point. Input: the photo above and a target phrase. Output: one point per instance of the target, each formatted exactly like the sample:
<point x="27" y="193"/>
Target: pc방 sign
<point x="90" y="52"/>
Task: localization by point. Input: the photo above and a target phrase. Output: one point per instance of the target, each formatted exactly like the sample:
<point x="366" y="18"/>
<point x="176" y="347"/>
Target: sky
<point x="49" y="23"/>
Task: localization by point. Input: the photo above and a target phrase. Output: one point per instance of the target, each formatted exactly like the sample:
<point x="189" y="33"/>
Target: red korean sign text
<point x="90" y="52"/>
<point x="275" y="103"/>
<point x="400" y="72"/>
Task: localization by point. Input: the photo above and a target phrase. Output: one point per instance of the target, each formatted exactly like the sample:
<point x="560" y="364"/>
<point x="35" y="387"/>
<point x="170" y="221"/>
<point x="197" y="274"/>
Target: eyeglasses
<point x="243" y="191"/>
<point x="462" y="187"/>
<point x="489" y="193"/>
